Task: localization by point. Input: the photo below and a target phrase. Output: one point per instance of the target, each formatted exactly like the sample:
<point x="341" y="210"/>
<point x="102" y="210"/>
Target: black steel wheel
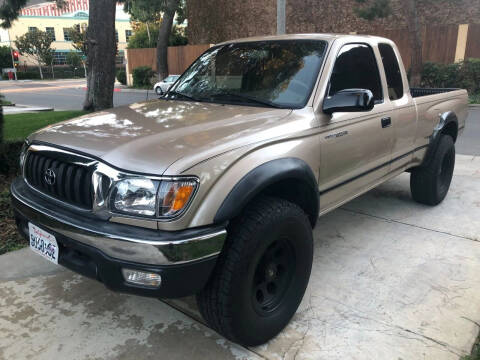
<point x="262" y="273"/>
<point x="430" y="184"/>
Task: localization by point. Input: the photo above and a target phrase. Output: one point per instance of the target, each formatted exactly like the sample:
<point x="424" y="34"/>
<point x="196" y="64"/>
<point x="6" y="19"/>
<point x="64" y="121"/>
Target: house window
<point x="66" y="35"/>
<point x="51" y="31"/>
<point x="128" y="34"/>
<point x="116" y="35"/>
<point x="60" y="57"/>
<point x="32" y="28"/>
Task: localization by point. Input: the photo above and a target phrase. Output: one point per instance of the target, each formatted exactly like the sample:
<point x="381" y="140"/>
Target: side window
<point x="392" y="71"/>
<point x="356" y="68"/>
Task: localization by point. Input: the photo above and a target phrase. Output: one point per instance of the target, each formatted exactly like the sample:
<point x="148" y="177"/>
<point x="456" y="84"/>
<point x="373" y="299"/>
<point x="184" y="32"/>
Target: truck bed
<point x="418" y="92"/>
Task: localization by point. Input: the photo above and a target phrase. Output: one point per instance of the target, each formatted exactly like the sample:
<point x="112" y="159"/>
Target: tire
<point x="158" y="90"/>
<point x="429" y="185"/>
<point x="262" y="273"/>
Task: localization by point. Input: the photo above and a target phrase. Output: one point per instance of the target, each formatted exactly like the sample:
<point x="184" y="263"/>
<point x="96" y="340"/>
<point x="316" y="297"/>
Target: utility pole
<point x="281" y="17"/>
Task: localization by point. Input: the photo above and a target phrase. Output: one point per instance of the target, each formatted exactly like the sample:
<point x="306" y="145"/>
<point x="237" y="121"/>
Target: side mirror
<point x="349" y="100"/>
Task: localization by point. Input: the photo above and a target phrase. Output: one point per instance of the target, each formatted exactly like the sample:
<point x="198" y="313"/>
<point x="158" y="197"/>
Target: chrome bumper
<point x="122" y="242"/>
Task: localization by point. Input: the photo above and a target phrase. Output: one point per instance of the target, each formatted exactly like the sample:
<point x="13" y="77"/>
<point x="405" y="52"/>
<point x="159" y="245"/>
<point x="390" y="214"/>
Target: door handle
<point x="386" y="122"/>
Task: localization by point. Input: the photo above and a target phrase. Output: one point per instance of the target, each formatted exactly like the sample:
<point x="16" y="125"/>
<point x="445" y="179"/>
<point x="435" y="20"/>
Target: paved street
<point x="61" y="94"/>
<point x="391" y="279"/>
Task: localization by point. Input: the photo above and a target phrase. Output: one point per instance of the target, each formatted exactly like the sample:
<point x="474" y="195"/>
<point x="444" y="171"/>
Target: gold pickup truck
<point x="214" y="188"/>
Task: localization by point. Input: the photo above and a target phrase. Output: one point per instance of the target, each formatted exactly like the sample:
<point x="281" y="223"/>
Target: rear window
<point x="392" y="71"/>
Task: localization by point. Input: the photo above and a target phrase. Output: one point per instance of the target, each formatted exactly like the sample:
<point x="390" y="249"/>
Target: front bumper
<point x="100" y="249"/>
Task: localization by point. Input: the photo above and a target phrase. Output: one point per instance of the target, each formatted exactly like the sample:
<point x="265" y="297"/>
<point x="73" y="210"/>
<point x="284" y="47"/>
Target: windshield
<point x="171" y="78"/>
<point x="266" y="73"/>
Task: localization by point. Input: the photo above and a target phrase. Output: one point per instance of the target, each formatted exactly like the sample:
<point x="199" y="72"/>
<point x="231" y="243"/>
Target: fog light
<point x="142" y="278"/>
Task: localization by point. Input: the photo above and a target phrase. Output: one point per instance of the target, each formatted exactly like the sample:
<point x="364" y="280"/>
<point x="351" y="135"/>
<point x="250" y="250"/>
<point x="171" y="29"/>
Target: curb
<point x="474" y="106"/>
<point x="125" y="90"/>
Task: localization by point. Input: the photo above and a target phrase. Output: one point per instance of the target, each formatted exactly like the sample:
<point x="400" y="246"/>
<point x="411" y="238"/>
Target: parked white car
<point x="163" y="86"/>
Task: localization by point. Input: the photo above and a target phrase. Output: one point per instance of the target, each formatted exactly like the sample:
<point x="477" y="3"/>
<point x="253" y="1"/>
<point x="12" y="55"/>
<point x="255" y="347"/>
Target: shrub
<point x="142" y="76"/>
<point x="9" y="155"/>
<point x="464" y="74"/>
<point x="122" y="76"/>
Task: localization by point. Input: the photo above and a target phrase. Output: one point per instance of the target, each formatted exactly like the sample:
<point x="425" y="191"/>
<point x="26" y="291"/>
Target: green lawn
<point x="19" y="126"/>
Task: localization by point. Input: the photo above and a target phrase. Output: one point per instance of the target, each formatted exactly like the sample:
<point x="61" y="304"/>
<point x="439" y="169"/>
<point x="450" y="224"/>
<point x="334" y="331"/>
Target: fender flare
<point x="446" y="119"/>
<point x="261" y="177"/>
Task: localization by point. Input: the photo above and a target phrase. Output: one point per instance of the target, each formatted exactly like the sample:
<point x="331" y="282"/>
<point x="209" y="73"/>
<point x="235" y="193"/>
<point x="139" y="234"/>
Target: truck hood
<point x="148" y="137"/>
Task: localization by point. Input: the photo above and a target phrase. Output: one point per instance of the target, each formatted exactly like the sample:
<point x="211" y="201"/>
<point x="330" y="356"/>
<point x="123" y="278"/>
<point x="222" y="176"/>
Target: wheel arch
<point x="448" y="125"/>
<point x="289" y="178"/>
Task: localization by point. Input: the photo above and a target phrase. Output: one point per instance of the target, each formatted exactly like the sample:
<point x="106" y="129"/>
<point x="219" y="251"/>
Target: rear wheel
<point x="430" y="184"/>
<point x="262" y="273"/>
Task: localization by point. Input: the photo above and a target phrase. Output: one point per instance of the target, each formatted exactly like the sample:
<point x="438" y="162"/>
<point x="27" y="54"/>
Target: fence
<point x="179" y="58"/>
<point x="441" y="43"/>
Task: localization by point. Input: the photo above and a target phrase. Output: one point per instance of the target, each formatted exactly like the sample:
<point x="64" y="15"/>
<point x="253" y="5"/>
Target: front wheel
<point x="429" y="184"/>
<point x="158" y="90"/>
<point x="262" y="273"/>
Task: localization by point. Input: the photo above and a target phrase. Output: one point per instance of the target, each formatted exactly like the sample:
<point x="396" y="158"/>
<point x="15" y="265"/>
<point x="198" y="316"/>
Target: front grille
<point x="72" y="184"/>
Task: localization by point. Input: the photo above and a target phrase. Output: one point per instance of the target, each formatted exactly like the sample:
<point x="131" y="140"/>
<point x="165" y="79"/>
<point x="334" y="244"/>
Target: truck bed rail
<point x="417" y="92"/>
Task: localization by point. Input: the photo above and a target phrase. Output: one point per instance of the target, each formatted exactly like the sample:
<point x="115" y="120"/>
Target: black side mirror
<point x="349" y="100"/>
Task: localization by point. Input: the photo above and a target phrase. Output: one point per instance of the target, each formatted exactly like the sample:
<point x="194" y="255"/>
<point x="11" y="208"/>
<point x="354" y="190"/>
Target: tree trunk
<point x="148" y="34"/>
<point x="415" y="39"/>
<point x="40" y="69"/>
<point x="101" y="47"/>
<point x="163" y="36"/>
<point x="1" y="127"/>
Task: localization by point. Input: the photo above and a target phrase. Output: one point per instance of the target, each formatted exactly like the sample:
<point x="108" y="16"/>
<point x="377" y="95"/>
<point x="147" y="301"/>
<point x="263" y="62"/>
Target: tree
<point x="37" y="44"/>
<point x="140" y="39"/>
<point x="101" y="48"/>
<point x="78" y="34"/>
<point x="5" y="57"/>
<point x="74" y="60"/>
<point x="168" y="9"/>
<point x="382" y="8"/>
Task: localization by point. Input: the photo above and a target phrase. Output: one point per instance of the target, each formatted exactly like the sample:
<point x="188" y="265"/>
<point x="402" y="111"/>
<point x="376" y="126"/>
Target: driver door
<point x="356" y="146"/>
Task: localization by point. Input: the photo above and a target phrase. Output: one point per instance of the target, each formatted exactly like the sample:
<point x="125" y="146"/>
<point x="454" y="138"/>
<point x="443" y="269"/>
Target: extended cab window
<point x="392" y="71"/>
<point x="278" y="73"/>
<point x="356" y="68"/>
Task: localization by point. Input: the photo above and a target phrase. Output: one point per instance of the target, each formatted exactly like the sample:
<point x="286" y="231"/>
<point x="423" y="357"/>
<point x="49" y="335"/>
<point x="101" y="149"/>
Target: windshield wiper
<point x="185" y="96"/>
<point x="248" y="98"/>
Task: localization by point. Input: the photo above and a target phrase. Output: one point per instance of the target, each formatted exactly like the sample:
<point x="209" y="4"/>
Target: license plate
<point x="43" y="243"/>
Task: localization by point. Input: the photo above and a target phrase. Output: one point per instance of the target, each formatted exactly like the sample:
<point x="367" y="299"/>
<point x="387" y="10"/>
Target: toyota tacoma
<point x="214" y="188"/>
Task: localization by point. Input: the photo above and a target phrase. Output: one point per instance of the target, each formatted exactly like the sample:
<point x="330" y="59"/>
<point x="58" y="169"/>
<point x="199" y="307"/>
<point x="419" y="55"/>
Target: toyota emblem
<point x="49" y="176"/>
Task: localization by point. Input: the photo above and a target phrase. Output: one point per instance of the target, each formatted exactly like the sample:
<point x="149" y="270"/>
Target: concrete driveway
<point x="392" y="279"/>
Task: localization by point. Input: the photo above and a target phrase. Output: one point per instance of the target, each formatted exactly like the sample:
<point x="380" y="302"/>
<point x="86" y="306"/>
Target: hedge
<point x="464" y="74"/>
<point x="122" y="76"/>
<point x="142" y="76"/>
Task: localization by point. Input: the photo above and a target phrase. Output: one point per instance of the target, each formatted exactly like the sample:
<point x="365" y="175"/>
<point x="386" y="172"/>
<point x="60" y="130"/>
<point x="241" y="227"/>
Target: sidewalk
<point x="391" y="279"/>
<point x="19" y="109"/>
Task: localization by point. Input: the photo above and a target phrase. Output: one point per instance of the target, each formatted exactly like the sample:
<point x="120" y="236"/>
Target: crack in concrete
<point x="472" y="321"/>
<point x="362" y="315"/>
<point x="407" y="224"/>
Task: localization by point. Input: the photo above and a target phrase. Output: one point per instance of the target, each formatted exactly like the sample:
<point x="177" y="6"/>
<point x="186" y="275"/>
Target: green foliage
<point x="465" y="74"/>
<point x="74" y="59"/>
<point x="142" y="76"/>
<point x="79" y="38"/>
<point x="5" y="57"/>
<point x="122" y="76"/>
<point x="140" y="39"/>
<point x="373" y="10"/>
<point x="150" y="11"/>
<point x="37" y="44"/>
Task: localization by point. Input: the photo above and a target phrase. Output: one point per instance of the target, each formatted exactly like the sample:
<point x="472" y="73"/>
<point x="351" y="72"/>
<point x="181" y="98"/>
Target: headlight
<point x="152" y="198"/>
<point x="23" y="154"/>
<point x="135" y="196"/>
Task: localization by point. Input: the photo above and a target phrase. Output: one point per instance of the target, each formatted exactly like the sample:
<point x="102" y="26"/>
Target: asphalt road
<point x="61" y="95"/>
<point x="469" y="142"/>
